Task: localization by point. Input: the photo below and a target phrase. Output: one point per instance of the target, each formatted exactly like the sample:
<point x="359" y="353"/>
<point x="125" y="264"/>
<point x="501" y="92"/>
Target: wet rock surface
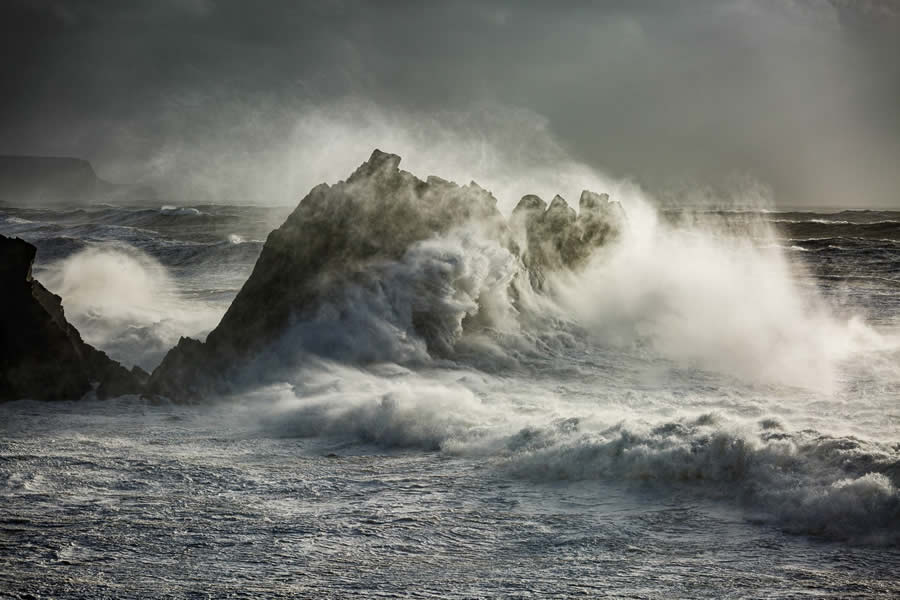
<point x="337" y="232"/>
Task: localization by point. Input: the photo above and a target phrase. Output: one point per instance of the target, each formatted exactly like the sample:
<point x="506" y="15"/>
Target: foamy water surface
<point x="702" y="413"/>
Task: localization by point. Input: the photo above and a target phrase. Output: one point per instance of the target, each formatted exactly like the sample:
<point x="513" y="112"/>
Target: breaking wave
<point x="838" y="486"/>
<point x="125" y="302"/>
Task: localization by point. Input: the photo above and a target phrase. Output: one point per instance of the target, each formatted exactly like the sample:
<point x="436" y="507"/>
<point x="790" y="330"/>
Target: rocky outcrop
<point x="332" y="235"/>
<point x="340" y="232"/>
<point x="42" y="356"/>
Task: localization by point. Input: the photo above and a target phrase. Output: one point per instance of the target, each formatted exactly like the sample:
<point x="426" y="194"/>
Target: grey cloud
<point x="800" y="95"/>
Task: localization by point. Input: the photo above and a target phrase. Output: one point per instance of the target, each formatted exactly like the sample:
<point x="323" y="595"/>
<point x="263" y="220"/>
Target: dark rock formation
<point x="42" y="356"/>
<point x="50" y="180"/>
<point x="338" y="232"/>
<point x="335" y="231"/>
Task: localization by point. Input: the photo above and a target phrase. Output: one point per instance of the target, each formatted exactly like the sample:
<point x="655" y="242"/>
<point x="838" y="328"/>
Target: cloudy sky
<point x="256" y="101"/>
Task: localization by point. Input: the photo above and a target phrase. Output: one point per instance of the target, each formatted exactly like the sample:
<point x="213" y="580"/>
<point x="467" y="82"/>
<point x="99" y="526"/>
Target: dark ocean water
<point x="710" y="410"/>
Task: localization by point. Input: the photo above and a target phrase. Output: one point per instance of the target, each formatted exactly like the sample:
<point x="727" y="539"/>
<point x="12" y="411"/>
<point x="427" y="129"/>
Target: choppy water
<point x="702" y="415"/>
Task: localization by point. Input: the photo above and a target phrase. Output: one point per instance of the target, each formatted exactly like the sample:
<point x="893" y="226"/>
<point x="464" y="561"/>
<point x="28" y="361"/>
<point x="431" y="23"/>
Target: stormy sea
<point x="707" y="409"/>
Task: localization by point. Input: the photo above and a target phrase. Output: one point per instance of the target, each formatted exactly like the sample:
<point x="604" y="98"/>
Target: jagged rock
<point x="335" y="231"/>
<point x="339" y="235"/>
<point x="42" y="356"/>
<point x="554" y="238"/>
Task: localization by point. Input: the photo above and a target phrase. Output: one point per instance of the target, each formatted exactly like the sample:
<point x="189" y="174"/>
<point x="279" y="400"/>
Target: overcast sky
<point x="800" y="97"/>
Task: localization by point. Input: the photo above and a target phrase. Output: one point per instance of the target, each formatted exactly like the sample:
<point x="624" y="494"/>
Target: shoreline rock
<point x="42" y="356"/>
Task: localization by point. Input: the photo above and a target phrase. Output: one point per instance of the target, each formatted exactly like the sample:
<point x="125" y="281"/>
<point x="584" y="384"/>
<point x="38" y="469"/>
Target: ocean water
<point x="709" y="410"/>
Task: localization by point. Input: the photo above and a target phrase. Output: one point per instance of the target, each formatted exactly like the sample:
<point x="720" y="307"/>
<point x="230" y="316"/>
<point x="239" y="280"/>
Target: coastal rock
<point x="330" y="239"/>
<point x="42" y="356"/>
<point x="341" y="235"/>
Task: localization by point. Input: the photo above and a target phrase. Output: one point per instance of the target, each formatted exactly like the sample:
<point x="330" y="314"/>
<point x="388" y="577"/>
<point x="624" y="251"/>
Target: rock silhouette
<point x="42" y="356"/>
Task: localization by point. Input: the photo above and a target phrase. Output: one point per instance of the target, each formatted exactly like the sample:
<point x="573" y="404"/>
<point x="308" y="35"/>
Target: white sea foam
<point x="838" y="486"/>
<point x="180" y="211"/>
<point x="17" y="220"/>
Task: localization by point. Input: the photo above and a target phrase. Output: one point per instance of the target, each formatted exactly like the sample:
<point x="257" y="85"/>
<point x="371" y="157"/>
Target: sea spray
<point x="713" y="294"/>
<point x="125" y="302"/>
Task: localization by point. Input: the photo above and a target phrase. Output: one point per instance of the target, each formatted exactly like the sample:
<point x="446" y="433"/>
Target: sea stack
<point x="333" y="234"/>
<point x="340" y="233"/>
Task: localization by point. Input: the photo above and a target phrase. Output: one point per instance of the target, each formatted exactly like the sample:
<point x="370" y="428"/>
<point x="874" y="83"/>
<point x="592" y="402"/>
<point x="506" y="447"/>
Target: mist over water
<point x="506" y="149"/>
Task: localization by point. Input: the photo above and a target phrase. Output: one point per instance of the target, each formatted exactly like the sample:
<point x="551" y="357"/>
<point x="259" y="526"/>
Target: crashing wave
<point x="840" y="487"/>
<point x="830" y="484"/>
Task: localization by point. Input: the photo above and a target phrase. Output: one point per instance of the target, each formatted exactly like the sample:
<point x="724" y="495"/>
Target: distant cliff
<point x="46" y="180"/>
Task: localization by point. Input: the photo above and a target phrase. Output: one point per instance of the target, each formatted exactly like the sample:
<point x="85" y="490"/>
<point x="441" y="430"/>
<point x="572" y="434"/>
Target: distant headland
<point x="55" y="181"/>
